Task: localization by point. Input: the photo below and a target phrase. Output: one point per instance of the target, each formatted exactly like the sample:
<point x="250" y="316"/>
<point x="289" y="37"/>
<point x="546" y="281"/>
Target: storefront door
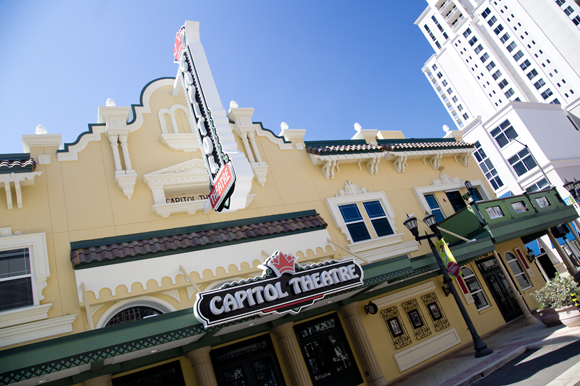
<point x="499" y="288"/>
<point x="249" y="363"/>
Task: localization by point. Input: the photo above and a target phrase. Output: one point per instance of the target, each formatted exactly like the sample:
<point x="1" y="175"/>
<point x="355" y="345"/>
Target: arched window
<point x="133" y="313"/>
<point x="517" y="270"/>
<point x="474" y="288"/>
<point x="134" y="309"/>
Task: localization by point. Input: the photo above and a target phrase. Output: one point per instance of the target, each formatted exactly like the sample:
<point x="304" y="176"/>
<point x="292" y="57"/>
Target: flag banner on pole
<point x="447" y="258"/>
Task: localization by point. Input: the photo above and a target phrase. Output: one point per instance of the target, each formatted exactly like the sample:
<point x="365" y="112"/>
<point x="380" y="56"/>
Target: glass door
<point x="499" y="288"/>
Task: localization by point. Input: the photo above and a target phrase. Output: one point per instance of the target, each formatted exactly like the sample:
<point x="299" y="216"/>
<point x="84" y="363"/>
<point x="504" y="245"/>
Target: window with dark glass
<point x="509" y="93"/>
<point x="522" y="162"/>
<point x="505" y="37"/>
<point x="167" y="374"/>
<point x="496" y="75"/>
<point x="478" y="49"/>
<point x="525" y="64"/>
<point x="519" y="273"/>
<point x="498" y="29"/>
<point x="15" y="279"/>
<point x="532" y="74"/>
<point x="249" y="363"/>
<point x="492" y="21"/>
<point x="504" y="133"/>
<point x="327" y="353"/>
<point x="502" y="84"/>
<point x="546" y="94"/>
<point x="354" y="222"/>
<point x="539" y="84"/>
<point x="474" y="288"/>
<point x="510" y="47"/>
<point x="378" y="218"/>
<point x="490" y="66"/>
<point x="484" y="57"/>
<point x="466" y="33"/>
<point x="518" y="55"/>
<point x="456" y="200"/>
<point x="472" y="41"/>
<point x="434" y="206"/>
<point x="485" y="13"/>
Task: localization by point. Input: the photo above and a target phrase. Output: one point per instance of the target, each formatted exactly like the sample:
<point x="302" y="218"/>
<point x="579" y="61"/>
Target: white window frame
<point x="39" y="270"/>
<point x="523" y="269"/>
<point x="473" y="275"/>
<point x="438" y="186"/>
<point x="333" y="205"/>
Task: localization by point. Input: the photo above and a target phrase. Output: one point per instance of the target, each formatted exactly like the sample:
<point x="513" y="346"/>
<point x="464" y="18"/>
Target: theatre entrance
<point x="499" y="288"/>
<point x="248" y="363"/>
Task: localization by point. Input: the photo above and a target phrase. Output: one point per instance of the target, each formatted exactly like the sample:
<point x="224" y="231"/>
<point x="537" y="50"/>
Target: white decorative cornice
<point x="444" y="179"/>
<point x="41" y="140"/>
<point x="16" y="180"/>
<point x="330" y="163"/>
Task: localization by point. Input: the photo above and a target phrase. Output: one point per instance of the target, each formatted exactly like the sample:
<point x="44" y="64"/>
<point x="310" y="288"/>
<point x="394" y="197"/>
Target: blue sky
<point x="317" y="65"/>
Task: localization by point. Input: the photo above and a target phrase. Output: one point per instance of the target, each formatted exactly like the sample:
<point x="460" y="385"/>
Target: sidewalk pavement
<point x="461" y="368"/>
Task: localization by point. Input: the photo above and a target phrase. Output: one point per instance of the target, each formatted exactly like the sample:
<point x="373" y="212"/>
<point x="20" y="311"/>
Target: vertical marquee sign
<point x="284" y="287"/>
<point x="222" y="177"/>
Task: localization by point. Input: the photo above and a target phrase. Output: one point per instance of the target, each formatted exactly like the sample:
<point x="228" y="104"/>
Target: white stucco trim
<point x="127" y="273"/>
<point x="398" y="297"/>
<point x="427" y="349"/>
<point x="24" y="315"/>
<point x="36" y="330"/>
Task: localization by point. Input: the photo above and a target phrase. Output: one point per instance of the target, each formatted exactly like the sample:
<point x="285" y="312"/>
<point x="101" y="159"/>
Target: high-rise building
<point x="508" y="73"/>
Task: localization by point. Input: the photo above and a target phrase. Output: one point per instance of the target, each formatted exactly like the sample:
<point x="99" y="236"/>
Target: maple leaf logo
<point x="281" y="263"/>
<point x="178" y="45"/>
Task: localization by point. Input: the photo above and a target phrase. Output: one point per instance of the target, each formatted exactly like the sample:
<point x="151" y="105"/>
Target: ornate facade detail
<point x="435" y="311"/>
<point x="434" y="160"/>
<point x="174" y="294"/>
<point x="329" y="167"/>
<point x="465" y="158"/>
<point x="444" y="179"/>
<point x="188" y="181"/>
<point x="373" y="166"/>
<point x="351" y="189"/>
<point x="246" y="130"/>
<point x="16" y="181"/>
<point x="416" y="318"/>
<point x="400" y="163"/>
<point x="174" y="139"/>
<point x="396" y="327"/>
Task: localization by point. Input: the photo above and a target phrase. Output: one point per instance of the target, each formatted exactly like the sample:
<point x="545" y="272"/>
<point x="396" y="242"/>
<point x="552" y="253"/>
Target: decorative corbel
<point x="435" y="161"/>
<point x="400" y="163"/>
<point x="329" y="167"/>
<point x="373" y="166"/>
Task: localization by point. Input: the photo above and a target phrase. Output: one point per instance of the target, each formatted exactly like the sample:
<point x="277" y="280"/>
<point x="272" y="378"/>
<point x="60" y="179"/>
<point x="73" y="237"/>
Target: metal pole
<point x="480" y="347"/>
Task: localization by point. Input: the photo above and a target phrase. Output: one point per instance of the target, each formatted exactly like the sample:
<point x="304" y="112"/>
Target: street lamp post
<point x="480" y="347"/>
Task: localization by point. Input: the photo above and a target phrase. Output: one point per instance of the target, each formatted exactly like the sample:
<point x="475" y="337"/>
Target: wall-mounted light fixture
<point x="371" y="308"/>
<point x="531" y="255"/>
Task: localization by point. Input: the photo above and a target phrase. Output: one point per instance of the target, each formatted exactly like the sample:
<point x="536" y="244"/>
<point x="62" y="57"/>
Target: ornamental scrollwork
<point x="396" y="327"/>
<point x="436" y="311"/>
<point x="416" y="318"/>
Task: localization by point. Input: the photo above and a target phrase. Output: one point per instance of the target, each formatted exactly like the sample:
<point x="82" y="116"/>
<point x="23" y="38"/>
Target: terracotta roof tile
<point x="191" y="240"/>
<point x="9" y="164"/>
<point x="338" y="149"/>
<point x="427" y="146"/>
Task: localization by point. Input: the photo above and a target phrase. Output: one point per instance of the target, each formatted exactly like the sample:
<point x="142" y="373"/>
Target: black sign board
<point x="285" y="287"/>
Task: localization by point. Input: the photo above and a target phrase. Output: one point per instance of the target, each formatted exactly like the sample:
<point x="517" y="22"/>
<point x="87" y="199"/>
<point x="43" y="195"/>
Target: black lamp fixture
<point x="531" y="256"/>
<point x="445" y="288"/>
<point x="570" y="186"/>
<point x="371" y="308"/>
<point x="410" y="223"/>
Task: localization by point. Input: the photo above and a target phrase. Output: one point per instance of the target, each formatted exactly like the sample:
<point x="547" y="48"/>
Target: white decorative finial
<point x="446" y="128"/>
<point x="357" y="126"/>
<point x="233" y="105"/>
<point x="110" y="102"/>
<point x="40" y="130"/>
<point x="284" y="126"/>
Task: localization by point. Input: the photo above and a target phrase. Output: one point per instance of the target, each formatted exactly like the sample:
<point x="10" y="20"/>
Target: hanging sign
<point x="222" y="176"/>
<point x="447" y="257"/>
<point x="284" y="287"/>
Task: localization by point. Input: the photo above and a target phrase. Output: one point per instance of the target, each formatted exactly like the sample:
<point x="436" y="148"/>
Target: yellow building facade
<point x="108" y="245"/>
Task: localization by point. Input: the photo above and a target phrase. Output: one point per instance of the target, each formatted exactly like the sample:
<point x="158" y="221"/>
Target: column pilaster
<point x="291" y="354"/>
<point x="202" y="368"/>
<point x="362" y="345"/>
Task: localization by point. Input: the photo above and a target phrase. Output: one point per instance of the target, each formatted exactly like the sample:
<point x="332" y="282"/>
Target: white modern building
<point x="508" y="72"/>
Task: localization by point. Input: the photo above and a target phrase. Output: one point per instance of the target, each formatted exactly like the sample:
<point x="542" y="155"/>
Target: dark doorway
<point x="327" y="353"/>
<point x="456" y="200"/>
<point x="499" y="288"/>
<point x="547" y="265"/>
<point x="248" y="363"/>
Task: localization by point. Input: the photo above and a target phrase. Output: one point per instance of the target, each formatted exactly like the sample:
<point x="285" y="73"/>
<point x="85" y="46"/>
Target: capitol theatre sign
<point x="222" y="177"/>
<point x="284" y="287"/>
